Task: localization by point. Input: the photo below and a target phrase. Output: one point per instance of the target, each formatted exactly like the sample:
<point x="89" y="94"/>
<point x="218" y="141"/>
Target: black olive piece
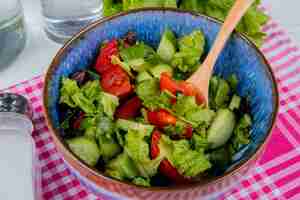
<point x="130" y="38"/>
<point x="80" y="77"/>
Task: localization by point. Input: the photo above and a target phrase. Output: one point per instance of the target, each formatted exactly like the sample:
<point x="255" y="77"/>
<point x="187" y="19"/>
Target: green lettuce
<point x="111" y="7"/>
<point x="241" y="133"/>
<point x="139" y="57"/>
<point x="69" y="87"/>
<point x="122" y="167"/>
<point x="127" y="125"/>
<point x="109" y="103"/>
<point x="138" y="150"/>
<point x="250" y="24"/>
<point x="191" y="48"/>
<point x="141" y="181"/>
<point x="187" y="161"/>
<point x="86" y="149"/>
<point x="149" y="92"/>
<point x="89" y="98"/>
<point x="187" y="108"/>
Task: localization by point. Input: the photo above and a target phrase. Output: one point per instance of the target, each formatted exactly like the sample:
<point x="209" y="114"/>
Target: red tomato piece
<point x="103" y="62"/>
<point x="77" y="122"/>
<point x="129" y="109"/>
<point x="187" y="89"/>
<point x="167" y="169"/>
<point x="161" y="118"/>
<point x="154" y="151"/>
<point x="116" y="82"/>
<point x="167" y="83"/>
<point x="188" y="134"/>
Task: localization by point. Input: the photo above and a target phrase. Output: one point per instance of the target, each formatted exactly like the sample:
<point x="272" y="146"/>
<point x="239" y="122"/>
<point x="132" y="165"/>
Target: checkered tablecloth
<point x="275" y="176"/>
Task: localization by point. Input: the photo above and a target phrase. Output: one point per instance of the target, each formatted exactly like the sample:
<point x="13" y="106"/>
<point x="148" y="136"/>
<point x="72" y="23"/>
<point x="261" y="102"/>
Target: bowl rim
<point x="215" y="180"/>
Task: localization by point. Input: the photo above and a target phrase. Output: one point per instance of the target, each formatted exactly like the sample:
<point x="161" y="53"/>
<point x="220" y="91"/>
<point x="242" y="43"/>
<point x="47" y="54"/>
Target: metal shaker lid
<point x="14" y="103"/>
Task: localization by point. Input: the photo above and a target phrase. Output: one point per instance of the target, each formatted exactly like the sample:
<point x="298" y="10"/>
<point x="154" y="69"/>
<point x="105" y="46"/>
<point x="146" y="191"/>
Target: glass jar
<point x="64" y="18"/>
<point x="12" y="31"/>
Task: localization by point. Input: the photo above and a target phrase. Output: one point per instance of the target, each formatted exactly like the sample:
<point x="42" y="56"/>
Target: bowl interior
<point x="239" y="57"/>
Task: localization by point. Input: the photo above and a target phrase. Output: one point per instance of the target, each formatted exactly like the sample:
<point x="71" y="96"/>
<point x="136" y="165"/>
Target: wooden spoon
<point x="200" y="79"/>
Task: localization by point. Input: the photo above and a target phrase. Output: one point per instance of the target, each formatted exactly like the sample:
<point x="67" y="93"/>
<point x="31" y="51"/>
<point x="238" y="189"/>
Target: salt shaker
<point x="20" y="171"/>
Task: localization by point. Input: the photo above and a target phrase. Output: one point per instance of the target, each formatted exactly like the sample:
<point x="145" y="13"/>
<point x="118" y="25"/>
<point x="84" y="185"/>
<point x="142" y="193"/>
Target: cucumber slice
<point x="235" y="102"/>
<point x="142" y="76"/>
<point x="167" y="47"/>
<point x="221" y="129"/>
<point x="158" y="69"/>
<point x="122" y="167"/>
<point x="86" y="149"/>
<point x="109" y="147"/>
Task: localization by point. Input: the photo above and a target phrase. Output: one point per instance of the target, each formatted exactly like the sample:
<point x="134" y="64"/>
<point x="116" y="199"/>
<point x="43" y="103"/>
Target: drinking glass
<point x="12" y="31"/>
<point x="64" y="18"/>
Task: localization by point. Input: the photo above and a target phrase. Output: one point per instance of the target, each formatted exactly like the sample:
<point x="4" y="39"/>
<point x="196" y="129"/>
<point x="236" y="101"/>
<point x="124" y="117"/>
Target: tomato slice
<point x="154" y="151"/>
<point x="103" y="62"/>
<point x="188" y="134"/>
<point x="116" y="82"/>
<point x="77" y="122"/>
<point x="187" y="89"/>
<point x="167" y="83"/>
<point x="161" y="118"/>
<point x="129" y="109"/>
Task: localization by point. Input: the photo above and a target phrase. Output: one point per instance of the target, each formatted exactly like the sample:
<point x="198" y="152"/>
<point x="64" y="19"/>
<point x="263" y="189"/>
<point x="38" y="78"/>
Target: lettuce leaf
<point x="68" y="89"/>
<point x="149" y="92"/>
<point x="187" y="161"/>
<point x="122" y="168"/>
<point x="109" y="103"/>
<point x="138" y="150"/>
<point x="191" y="48"/>
<point x="127" y="125"/>
<point x="141" y="181"/>
<point x="250" y="24"/>
<point x="111" y="7"/>
<point x="241" y="133"/>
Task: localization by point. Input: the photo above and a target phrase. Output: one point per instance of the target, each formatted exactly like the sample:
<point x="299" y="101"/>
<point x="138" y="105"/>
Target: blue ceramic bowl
<point x="240" y="57"/>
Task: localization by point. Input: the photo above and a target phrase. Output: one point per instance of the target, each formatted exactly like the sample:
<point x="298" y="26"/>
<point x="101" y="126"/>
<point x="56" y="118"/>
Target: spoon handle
<point x="236" y="13"/>
<point x="202" y="76"/>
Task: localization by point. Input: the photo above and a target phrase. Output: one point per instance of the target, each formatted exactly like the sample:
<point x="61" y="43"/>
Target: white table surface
<point x="39" y="50"/>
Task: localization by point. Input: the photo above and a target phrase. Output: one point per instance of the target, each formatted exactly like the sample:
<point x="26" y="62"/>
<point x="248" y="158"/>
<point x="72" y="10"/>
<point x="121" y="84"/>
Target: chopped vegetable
<point x="68" y="89"/>
<point x="127" y="125"/>
<point x="159" y="69"/>
<point x="86" y="149"/>
<point x="109" y="147"/>
<point x="130" y="109"/>
<point x="109" y="103"/>
<point x="235" y="102"/>
<point x="241" y="134"/>
<point x="138" y="149"/>
<point x="141" y="181"/>
<point x="116" y="82"/>
<point x="103" y="62"/>
<point x="161" y="118"/>
<point x="167" y="46"/>
<point x="221" y="128"/>
<point x="191" y="48"/>
<point x="251" y="23"/>
<point x="122" y="167"/>
<point x="190" y="165"/>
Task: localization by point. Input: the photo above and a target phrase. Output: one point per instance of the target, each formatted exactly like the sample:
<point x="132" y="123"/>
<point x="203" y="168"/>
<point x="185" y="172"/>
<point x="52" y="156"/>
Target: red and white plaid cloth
<point x="275" y="176"/>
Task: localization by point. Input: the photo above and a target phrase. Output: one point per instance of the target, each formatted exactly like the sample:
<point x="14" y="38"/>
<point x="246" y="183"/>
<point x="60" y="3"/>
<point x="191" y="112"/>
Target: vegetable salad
<point x="132" y="116"/>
